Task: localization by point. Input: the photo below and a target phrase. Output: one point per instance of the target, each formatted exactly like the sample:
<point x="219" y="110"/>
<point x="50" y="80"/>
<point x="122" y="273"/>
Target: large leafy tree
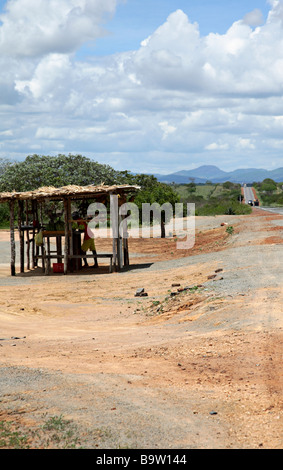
<point x="38" y="171"/>
<point x="4" y="208"/>
<point x="268" y="185"/>
<point x="144" y="181"/>
<point x="4" y="164"/>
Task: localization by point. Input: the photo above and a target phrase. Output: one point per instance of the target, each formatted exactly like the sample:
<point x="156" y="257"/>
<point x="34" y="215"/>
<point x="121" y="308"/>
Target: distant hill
<point x="212" y="173"/>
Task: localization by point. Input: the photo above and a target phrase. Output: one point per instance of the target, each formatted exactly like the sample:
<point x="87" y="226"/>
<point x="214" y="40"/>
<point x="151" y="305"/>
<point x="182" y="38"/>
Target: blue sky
<point x="149" y="86"/>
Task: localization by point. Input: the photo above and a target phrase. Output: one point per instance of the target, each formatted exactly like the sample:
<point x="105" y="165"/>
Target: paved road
<point x="277" y="210"/>
<point x="248" y="194"/>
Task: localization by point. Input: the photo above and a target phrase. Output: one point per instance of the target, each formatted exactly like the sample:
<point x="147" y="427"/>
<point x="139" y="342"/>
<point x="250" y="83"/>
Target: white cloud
<point x="167" y="129"/>
<point x="7" y="133"/>
<point x="254" y="18"/>
<point x="31" y="28"/>
<point x="246" y="144"/>
<point x="217" y="146"/>
<point x="51" y="70"/>
<point x="179" y="94"/>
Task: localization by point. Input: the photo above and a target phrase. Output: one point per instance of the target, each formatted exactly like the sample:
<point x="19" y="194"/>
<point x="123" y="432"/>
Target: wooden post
<point x="33" y="262"/>
<point x="43" y="252"/>
<point x="66" y="222"/>
<point x="47" y="254"/>
<point x="70" y="233"/>
<point x="59" y="248"/>
<point x="21" y="237"/>
<point x="126" y="251"/>
<point x="115" y="229"/>
<point x="120" y="244"/>
<point x="37" y="230"/>
<point x="34" y="247"/>
<point x="74" y="242"/>
<point x="12" y="238"/>
<point x="125" y="241"/>
<point x="46" y="261"/>
<point x="28" y="240"/>
<point x="73" y="263"/>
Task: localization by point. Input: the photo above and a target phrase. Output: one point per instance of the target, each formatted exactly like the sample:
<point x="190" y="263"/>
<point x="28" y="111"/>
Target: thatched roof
<point x="71" y="191"/>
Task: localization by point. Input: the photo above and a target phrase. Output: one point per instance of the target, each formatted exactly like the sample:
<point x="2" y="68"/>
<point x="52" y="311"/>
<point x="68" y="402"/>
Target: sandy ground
<point x="195" y="364"/>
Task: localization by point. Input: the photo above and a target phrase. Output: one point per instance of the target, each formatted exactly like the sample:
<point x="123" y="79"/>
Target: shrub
<point x="230" y="229"/>
<point x="4" y="215"/>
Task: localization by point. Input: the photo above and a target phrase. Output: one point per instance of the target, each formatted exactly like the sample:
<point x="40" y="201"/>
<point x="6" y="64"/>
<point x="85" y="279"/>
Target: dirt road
<point x="195" y="364"/>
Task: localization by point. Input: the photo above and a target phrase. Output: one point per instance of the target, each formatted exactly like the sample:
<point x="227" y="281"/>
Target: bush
<point x="272" y="199"/>
<point x="4" y="215"/>
<point x="230" y="229"/>
<point x="224" y="208"/>
<point x="269" y="192"/>
<point x="268" y="185"/>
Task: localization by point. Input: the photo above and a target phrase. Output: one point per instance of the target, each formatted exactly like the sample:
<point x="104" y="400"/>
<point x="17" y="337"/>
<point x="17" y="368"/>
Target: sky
<point x="146" y="86"/>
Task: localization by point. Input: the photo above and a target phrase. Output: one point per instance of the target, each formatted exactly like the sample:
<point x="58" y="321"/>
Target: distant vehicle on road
<point x="250" y="202"/>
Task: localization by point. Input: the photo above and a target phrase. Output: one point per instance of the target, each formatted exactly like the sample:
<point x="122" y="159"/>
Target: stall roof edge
<point x="71" y="191"/>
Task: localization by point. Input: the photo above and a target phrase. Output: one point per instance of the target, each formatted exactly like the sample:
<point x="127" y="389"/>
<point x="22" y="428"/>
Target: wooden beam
<point x="126" y="252"/>
<point x="28" y="240"/>
<point x="33" y="235"/>
<point x="59" y="248"/>
<point x="125" y="241"/>
<point x="70" y="223"/>
<point x="66" y="222"/>
<point x="42" y="248"/>
<point x="120" y="244"/>
<point x="12" y="238"/>
<point x="21" y="237"/>
<point x="35" y="218"/>
<point x="115" y="229"/>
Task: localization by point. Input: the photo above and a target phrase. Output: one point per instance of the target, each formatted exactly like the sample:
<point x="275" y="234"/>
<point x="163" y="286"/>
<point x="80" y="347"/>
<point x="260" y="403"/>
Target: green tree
<point x="159" y="193"/>
<point x="229" y="185"/>
<point x="191" y="187"/>
<point x="268" y="185"/>
<point x="38" y="171"/>
<point x="146" y="182"/>
<point x="4" y="208"/>
<point x="4" y="164"/>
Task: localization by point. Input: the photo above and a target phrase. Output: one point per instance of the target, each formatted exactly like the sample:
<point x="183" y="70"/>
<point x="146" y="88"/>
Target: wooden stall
<point x="30" y="225"/>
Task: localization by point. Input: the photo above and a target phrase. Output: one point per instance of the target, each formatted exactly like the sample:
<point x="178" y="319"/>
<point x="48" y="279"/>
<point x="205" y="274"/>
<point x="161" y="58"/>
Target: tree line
<point x="62" y="170"/>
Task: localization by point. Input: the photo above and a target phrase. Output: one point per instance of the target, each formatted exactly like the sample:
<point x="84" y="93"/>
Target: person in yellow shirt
<point x="88" y="242"/>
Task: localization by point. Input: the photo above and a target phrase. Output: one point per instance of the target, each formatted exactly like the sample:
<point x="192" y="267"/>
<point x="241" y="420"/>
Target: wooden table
<point x="74" y="258"/>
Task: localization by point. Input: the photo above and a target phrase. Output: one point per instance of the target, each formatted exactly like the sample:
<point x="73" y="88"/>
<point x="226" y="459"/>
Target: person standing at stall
<point x="88" y="242"/>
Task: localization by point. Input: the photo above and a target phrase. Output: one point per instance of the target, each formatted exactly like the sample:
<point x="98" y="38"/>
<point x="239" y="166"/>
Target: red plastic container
<point x="58" y="267"/>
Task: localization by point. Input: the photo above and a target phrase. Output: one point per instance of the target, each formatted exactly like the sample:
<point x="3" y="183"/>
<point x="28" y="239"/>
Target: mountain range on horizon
<point x="214" y="174"/>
